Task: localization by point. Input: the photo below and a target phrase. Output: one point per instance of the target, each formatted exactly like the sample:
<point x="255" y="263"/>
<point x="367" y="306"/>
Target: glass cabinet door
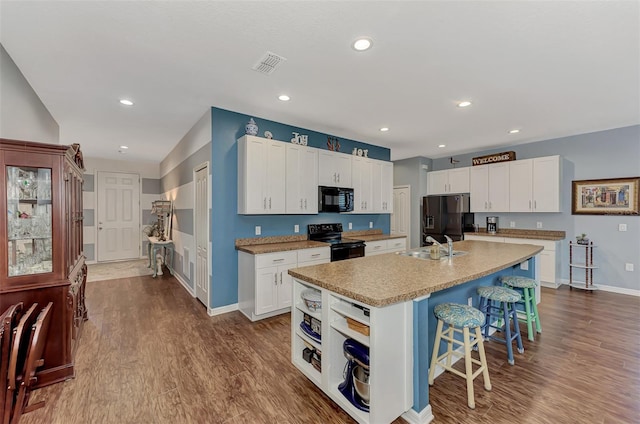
<point x="29" y="220"/>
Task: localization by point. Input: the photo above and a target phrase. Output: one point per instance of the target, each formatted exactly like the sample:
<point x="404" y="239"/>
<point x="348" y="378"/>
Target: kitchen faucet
<point x="449" y="247"/>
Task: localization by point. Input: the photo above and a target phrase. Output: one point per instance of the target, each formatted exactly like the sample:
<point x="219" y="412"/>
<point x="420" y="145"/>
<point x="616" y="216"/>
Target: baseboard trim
<point x="612" y="289"/>
<point x="222" y="309"/>
<point x="423" y="417"/>
<point x="184" y="283"/>
<point x="550" y="285"/>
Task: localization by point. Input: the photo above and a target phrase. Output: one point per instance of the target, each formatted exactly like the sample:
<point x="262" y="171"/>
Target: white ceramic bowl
<point x="312" y="299"/>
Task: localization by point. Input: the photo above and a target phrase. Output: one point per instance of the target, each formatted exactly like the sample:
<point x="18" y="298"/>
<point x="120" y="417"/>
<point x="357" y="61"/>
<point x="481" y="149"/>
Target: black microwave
<point x="335" y="199"/>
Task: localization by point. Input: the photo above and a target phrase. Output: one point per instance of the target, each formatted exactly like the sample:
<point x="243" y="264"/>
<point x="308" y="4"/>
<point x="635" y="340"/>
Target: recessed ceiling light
<point x="442" y="145"/>
<point x="284" y="97"/>
<point x="361" y="44"/>
<point x="384" y="129"/>
<point x="464" y="104"/>
<point x="514" y="131"/>
<point x="124" y="147"/>
<point x="126" y="102"/>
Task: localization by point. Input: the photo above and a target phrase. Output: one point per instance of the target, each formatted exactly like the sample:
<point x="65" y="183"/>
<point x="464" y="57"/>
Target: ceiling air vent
<point x="268" y="63"/>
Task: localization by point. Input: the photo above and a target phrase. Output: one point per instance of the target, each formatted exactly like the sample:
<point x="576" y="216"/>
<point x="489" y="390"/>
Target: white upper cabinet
<point x="261" y="176"/>
<point x="372" y="185"/>
<point x="362" y="179"/>
<point x="489" y="188"/>
<point x="382" y="186"/>
<point x="448" y="181"/>
<point x="535" y="185"/>
<point x="546" y="184"/>
<point x="301" y="179"/>
<point x="521" y="188"/>
<point x="334" y="169"/>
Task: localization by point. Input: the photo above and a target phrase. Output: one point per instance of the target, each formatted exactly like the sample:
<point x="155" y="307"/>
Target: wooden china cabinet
<point x="42" y="260"/>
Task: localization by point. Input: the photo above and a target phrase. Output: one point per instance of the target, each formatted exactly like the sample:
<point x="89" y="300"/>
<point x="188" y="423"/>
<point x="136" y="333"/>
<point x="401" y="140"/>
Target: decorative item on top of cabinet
<point x="251" y="128"/>
<point x="333" y="144"/>
<point x="300" y="139"/>
<point x="43" y="259"/>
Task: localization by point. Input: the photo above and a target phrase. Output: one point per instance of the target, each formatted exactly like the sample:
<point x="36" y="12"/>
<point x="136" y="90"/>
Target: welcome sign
<point x="497" y="157"/>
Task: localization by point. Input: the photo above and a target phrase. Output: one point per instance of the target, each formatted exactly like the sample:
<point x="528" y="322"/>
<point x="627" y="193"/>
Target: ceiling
<point x="549" y="68"/>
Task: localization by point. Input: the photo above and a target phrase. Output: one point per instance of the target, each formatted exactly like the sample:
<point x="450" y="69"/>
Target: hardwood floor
<point x="150" y="354"/>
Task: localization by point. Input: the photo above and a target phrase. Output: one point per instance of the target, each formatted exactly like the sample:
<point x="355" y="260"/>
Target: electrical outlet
<point x="258" y="230"/>
<point x="470" y="301"/>
<point x="628" y="267"/>
<point x="524" y="266"/>
<point x="370" y="224"/>
<point x="296" y="228"/>
<point x="538" y="224"/>
<point x="622" y="227"/>
<point x="350" y="226"/>
<point x="512" y="224"/>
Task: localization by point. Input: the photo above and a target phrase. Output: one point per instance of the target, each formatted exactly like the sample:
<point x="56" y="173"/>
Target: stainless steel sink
<point x="424" y="253"/>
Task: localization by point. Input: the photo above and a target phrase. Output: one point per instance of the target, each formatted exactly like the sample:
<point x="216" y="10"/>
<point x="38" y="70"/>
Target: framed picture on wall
<point x="616" y="196"/>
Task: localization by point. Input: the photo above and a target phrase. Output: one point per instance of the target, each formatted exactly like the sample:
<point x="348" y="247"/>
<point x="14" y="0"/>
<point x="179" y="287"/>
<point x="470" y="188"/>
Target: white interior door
<point x="201" y="231"/>
<point x="401" y="216"/>
<point x="118" y="216"/>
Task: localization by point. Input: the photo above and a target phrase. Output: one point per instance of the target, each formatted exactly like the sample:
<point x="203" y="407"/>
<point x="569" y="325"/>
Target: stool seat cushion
<point x="459" y="315"/>
<point x="520" y="282"/>
<point x="498" y="293"/>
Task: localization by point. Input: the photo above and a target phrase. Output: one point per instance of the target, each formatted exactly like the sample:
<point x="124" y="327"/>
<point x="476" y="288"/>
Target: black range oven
<point x="341" y="248"/>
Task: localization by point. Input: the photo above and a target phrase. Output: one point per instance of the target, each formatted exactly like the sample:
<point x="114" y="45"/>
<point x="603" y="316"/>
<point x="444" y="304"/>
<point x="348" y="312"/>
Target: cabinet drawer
<point x="397" y="244"/>
<point x="315" y="254"/>
<point x="373" y="247"/>
<point x="275" y="259"/>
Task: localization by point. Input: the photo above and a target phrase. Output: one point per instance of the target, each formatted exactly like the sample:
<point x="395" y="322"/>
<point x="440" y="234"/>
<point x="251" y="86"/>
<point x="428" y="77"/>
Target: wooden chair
<point x="8" y="321"/>
<point x="33" y="361"/>
<point x="21" y="335"/>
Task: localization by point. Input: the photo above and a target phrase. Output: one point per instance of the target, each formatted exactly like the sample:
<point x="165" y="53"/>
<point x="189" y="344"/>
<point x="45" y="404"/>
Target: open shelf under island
<point x="400" y="293"/>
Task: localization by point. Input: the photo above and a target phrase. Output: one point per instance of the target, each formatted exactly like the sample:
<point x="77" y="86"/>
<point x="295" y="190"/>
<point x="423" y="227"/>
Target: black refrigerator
<point x="448" y="214"/>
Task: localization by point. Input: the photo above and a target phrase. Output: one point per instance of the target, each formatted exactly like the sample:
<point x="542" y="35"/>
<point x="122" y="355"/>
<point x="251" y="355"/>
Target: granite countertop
<point x="518" y="233"/>
<point x="376" y="237"/>
<point x="272" y="244"/>
<point x="261" y="245"/>
<point x="390" y="278"/>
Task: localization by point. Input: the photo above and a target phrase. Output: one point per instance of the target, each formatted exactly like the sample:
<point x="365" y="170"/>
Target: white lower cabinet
<point x="548" y="258"/>
<point x="389" y="341"/>
<point x="264" y="284"/>
<point x="379" y="247"/>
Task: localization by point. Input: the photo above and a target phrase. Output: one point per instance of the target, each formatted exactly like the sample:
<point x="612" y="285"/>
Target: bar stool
<point x="505" y="307"/>
<point x="465" y="317"/>
<point x="528" y="298"/>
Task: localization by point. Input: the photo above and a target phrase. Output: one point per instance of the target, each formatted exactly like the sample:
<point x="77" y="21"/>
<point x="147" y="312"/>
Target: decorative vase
<point x="251" y="128"/>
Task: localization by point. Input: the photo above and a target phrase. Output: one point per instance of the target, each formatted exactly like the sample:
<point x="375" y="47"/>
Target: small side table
<point x="152" y="251"/>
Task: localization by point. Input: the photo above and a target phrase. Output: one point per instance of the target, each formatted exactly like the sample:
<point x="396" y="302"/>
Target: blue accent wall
<point x="227" y="225"/>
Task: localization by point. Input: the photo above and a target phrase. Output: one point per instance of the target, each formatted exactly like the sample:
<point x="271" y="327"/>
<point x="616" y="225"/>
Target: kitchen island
<point x="398" y="294"/>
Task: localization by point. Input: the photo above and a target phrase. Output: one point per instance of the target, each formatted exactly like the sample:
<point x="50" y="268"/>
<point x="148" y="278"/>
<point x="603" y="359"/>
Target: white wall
<point x="198" y="136"/>
<point x="23" y="116"/>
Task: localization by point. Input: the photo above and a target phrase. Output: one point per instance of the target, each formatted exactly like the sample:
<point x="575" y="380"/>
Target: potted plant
<point x="582" y="239"/>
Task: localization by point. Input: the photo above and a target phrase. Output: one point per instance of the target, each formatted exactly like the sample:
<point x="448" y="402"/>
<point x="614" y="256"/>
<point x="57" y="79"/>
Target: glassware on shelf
<point x="29" y="227"/>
